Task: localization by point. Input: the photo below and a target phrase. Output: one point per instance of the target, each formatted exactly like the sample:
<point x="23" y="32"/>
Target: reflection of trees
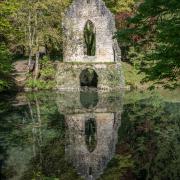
<point x="89" y="99"/>
<point x="48" y="130"/>
<point x="10" y="125"/>
<point x="150" y="132"/>
<point x="53" y="163"/>
<point x="34" y="133"/>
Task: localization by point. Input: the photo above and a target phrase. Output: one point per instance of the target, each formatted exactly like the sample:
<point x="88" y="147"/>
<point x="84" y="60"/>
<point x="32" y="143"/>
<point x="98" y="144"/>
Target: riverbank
<point x="23" y="80"/>
<point x="136" y="79"/>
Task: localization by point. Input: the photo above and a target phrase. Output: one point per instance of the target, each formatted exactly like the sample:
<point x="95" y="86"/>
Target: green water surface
<point x="90" y="135"/>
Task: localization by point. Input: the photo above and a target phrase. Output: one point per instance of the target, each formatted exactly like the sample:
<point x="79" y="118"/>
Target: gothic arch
<point x="89" y="38"/>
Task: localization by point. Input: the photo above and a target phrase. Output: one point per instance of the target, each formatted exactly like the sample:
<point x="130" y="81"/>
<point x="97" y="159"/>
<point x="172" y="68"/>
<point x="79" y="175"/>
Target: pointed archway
<point x="89" y="39"/>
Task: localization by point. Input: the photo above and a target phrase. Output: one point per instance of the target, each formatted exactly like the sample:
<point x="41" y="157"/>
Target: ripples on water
<point x="89" y="135"/>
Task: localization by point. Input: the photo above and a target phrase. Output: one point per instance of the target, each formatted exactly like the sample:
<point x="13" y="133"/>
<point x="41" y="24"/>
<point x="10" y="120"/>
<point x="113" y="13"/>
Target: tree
<point x="7" y="10"/>
<point x="40" y="20"/>
<point x="120" y="6"/>
<point x="154" y="32"/>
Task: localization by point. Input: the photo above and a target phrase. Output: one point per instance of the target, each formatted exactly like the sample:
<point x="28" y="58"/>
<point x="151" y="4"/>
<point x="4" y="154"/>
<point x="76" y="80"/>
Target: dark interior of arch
<point x="89" y="78"/>
<point x="90" y="134"/>
<point x="89" y="39"/>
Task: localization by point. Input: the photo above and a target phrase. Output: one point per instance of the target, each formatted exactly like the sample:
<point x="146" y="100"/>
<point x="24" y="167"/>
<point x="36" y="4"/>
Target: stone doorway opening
<point x="89" y="78"/>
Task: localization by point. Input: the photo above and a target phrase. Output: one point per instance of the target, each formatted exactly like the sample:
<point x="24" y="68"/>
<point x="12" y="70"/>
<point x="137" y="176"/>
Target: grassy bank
<point x="46" y="78"/>
<point x="134" y="79"/>
<point x="137" y="80"/>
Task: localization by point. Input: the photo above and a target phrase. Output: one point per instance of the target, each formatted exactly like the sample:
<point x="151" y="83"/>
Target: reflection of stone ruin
<point x="91" y="164"/>
<point x="89" y="45"/>
<point x="92" y="133"/>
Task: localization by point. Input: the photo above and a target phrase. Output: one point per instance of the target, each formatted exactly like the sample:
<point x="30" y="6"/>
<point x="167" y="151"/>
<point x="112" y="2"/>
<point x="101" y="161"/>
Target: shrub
<point x="46" y="78"/>
<point x="5" y="67"/>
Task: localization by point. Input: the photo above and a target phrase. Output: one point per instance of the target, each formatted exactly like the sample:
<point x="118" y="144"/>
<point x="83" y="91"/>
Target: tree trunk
<point x="29" y="38"/>
<point x="36" y="72"/>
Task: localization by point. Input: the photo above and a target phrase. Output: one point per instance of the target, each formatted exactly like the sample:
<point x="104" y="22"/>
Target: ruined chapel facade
<point x="93" y="13"/>
<point x="91" y="55"/>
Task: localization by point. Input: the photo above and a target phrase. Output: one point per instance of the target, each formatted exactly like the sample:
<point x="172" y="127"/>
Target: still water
<point x="89" y="135"/>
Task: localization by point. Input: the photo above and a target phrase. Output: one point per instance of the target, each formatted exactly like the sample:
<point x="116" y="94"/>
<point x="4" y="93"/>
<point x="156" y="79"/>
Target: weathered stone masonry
<point x="109" y="75"/>
<point x="107" y="59"/>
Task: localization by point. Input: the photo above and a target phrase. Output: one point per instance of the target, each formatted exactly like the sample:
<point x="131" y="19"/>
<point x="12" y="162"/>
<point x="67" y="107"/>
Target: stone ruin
<point x="89" y="44"/>
<point x="80" y="13"/>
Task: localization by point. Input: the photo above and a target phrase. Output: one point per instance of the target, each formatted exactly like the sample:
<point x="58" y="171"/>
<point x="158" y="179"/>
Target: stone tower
<point x="79" y="14"/>
<point x="91" y="56"/>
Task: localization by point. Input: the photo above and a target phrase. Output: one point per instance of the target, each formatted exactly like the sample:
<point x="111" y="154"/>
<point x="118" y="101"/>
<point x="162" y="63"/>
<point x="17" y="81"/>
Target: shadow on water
<point x="89" y="135"/>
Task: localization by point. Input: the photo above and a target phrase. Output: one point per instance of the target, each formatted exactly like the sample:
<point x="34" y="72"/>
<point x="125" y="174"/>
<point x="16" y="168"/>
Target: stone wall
<point x="80" y="11"/>
<point x="107" y="60"/>
<point x="110" y="76"/>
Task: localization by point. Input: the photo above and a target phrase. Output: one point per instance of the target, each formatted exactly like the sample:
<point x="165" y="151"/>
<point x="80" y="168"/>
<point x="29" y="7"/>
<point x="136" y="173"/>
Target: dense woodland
<point x="148" y="32"/>
<point x="32" y="125"/>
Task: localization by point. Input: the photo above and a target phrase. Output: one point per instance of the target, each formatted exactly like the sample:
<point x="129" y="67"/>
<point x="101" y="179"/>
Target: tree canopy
<point x="148" y="33"/>
<point x="154" y="33"/>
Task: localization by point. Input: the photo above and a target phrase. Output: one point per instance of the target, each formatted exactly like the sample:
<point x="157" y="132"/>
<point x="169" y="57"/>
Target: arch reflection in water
<point x="91" y="134"/>
<point x="89" y="99"/>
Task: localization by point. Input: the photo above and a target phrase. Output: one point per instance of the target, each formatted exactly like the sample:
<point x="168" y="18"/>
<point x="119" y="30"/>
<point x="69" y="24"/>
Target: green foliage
<point x="5" y="67"/>
<point x="7" y="10"/>
<point x="46" y="78"/>
<point x="154" y="32"/>
<point x="3" y="85"/>
<point x="114" y="76"/>
<point x="134" y="79"/>
<point x="40" y="84"/>
<point x="47" y="71"/>
<point x="117" y="167"/>
<point x="41" y="21"/>
<point x="5" y="59"/>
<point x="118" y="6"/>
<point x="26" y="25"/>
